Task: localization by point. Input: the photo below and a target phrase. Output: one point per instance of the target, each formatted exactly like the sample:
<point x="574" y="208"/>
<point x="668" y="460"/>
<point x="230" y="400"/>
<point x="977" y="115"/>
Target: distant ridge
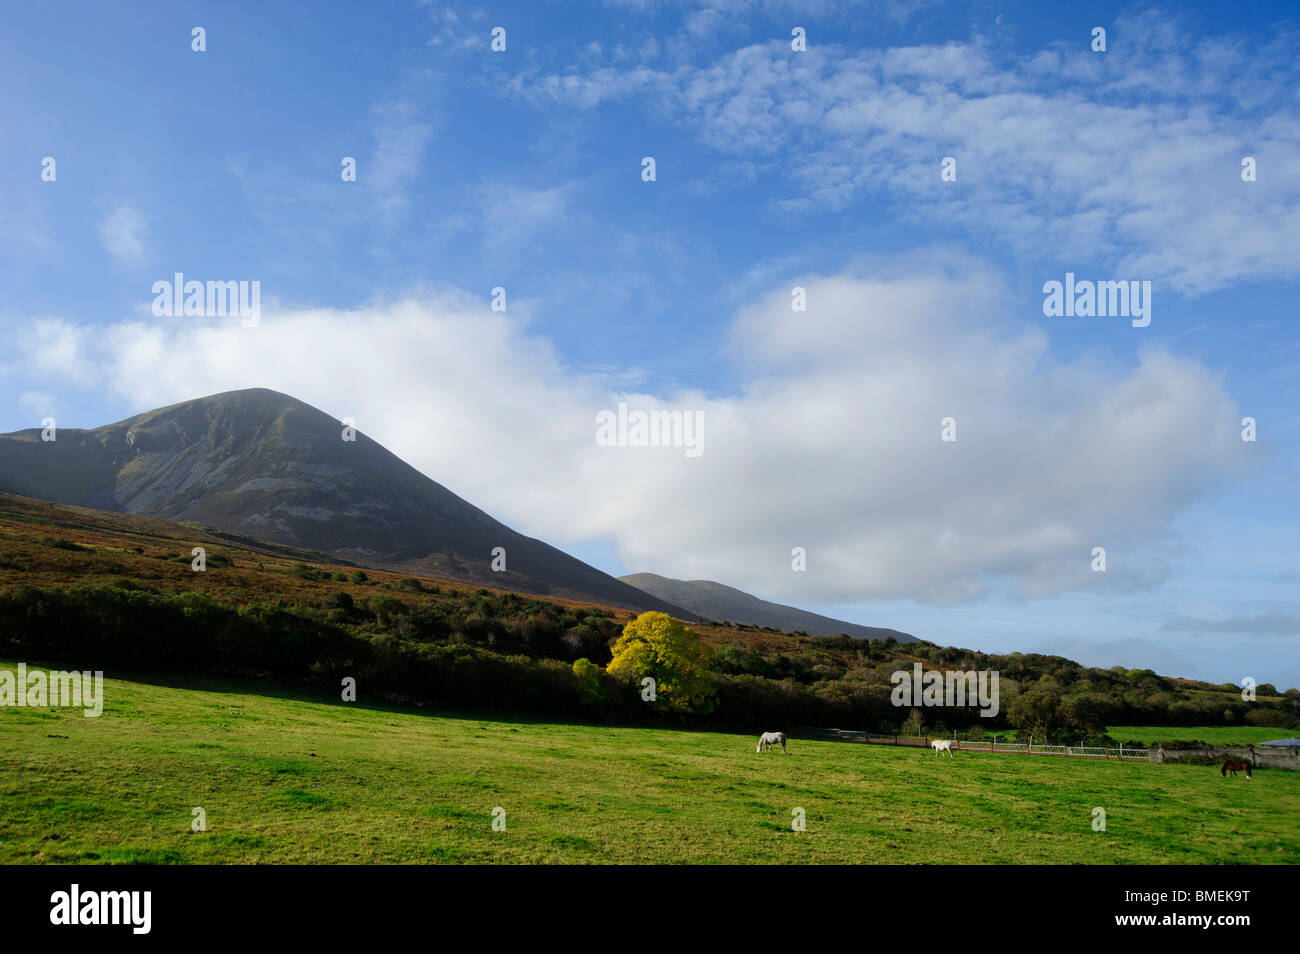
<point x="266" y="465"/>
<point x="716" y="602"/>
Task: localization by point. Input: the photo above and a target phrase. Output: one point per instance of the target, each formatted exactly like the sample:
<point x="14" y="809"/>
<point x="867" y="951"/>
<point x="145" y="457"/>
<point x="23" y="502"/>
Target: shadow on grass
<point x="316" y="693"/>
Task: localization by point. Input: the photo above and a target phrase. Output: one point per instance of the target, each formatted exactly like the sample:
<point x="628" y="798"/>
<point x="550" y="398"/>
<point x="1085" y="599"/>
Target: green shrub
<point x="58" y="543"/>
<point x="591" y="678"/>
<point x="340" y="601"/>
<point x="386" y="609"/>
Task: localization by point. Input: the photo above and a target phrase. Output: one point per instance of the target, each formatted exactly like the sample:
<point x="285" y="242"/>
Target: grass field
<point x="1214" y="734"/>
<point x="295" y="777"/>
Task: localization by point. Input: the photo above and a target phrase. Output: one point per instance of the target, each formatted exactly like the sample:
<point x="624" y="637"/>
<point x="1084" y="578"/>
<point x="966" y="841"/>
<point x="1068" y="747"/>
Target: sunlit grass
<point x="1214" y="734"/>
<point x="300" y="778"/>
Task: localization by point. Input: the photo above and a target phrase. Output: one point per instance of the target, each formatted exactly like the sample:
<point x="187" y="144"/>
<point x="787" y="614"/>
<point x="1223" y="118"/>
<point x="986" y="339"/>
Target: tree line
<point x="468" y="648"/>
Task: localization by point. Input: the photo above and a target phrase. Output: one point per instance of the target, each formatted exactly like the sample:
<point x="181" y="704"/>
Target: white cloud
<point x="1131" y="157"/>
<point x="122" y="233"/>
<point x="401" y="138"/>
<point x="515" y="214"/>
<point x="55" y="350"/>
<point x="832" y="444"/>
<point x="39" y="404"/>
<point x="898" y="11"/>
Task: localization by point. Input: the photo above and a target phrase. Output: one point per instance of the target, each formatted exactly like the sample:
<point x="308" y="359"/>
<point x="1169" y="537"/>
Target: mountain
<point x="265" y="465"/>
<point x="716" y="602"/>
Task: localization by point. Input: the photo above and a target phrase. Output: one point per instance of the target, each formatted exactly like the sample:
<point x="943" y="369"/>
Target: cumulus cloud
<point x="38" y="403"/>
<point x="831" y="444"/>
<point x="56" y="350"/>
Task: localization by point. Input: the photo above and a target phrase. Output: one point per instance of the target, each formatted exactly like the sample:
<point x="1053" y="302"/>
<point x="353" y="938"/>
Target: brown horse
<point x="1234" y="766"/>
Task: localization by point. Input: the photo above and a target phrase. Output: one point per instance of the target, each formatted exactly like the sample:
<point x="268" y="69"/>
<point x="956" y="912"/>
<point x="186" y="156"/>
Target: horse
<point x="1234" y="766"/>
<point x="942" y="745"/>
<point x="770" y="739"/>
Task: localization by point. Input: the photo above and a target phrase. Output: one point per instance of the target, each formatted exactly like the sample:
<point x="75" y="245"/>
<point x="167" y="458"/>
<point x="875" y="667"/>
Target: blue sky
<point x="775" y="168"/>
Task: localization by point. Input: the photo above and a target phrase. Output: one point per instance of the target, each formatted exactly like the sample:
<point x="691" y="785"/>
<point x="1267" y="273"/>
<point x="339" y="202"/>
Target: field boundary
<point x="1263" y="756"/>
<point x="1123" y="753"/>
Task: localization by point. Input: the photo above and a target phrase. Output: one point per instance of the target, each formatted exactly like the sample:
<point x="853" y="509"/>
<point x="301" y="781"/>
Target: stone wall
<point x="1262" y="756"/>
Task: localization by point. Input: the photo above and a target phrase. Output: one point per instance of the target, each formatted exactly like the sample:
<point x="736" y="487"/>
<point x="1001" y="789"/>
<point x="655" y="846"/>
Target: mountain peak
<point x="265" y="464"/>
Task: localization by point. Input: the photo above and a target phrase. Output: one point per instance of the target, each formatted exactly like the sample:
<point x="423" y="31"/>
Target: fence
<point x="1264" y="756"/>
<point x="850" y="735"/>
<point x="1070" y="751"/>
<point x="1008" y="748"/>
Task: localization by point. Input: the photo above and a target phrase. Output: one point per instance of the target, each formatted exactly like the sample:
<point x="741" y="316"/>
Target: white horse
<point x="770" y="739"/>
<point x="942" y="745"/>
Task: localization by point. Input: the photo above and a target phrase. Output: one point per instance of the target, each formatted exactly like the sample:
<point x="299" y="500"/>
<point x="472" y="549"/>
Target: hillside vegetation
<point x="96" y="590"/>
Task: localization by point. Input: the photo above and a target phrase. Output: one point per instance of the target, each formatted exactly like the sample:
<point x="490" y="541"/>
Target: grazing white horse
<point x="770" y="739"/>
<point x="942" y="745"/>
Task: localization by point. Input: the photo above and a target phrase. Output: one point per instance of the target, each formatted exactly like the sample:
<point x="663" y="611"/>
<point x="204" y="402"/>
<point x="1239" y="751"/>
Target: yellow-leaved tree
<point x="659" y="647"/>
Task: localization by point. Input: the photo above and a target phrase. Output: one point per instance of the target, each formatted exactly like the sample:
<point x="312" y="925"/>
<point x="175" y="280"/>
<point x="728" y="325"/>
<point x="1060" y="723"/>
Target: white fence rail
<point x="983" y="745"/>
<point x="1072" y="751"/>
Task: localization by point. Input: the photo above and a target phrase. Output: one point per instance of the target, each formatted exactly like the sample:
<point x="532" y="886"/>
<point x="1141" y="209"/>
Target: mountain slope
<point x="717" y="602"/>
<point x="264" y="464"/>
